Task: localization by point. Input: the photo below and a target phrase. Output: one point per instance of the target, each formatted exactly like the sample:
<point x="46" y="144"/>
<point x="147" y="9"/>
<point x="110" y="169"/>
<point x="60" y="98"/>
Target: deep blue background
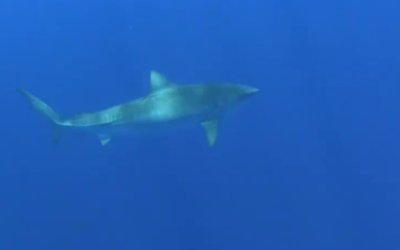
<point x="312" y="162"/>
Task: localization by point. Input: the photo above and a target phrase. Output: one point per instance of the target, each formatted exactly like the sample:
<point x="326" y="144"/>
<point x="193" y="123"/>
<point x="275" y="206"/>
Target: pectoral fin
<point x="104" y="139"/>
<point x="211" y="128"/>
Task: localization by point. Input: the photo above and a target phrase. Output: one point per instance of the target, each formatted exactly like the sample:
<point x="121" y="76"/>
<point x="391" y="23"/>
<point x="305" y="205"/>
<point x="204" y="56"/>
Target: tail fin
<point x="46" y="111"/>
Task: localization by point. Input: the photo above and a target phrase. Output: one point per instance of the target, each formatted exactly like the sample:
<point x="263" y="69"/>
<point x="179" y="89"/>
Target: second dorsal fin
<point x="158" y="81"/>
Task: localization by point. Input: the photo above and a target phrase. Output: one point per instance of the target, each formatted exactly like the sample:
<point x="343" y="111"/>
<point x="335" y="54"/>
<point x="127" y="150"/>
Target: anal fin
<point x="211" y="128"/>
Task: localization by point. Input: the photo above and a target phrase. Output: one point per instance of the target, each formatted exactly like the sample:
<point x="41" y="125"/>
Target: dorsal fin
<point x="158" y="81"/>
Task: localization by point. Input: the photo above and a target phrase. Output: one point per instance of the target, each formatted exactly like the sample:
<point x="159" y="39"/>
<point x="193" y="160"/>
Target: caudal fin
<point x="46" y="111"/>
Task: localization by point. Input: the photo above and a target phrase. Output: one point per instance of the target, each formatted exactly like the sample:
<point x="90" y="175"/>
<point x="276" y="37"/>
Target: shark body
<point x="168" y="104"/>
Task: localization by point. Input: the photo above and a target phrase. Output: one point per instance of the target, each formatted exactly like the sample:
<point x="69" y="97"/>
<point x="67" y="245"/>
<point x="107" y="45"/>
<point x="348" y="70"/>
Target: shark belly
<point x="155" y="125"/>
<point x="164" y="112"/>
<point x="158" y="121"/>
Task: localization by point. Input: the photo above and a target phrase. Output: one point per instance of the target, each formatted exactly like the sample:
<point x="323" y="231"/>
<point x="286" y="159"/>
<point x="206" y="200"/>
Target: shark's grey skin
<point x="166" y="104"/>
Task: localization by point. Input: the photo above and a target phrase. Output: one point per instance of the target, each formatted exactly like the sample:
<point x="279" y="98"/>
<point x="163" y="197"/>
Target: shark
<point x="167" y="104"/>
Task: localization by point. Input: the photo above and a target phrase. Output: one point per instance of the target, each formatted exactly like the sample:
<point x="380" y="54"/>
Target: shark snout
<point x="250" y="91"/>
<point x="245" y="92"/>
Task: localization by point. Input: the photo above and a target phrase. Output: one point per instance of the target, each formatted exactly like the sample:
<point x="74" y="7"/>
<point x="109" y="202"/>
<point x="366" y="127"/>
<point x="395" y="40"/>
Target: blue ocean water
<point x="311" y="162"/>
